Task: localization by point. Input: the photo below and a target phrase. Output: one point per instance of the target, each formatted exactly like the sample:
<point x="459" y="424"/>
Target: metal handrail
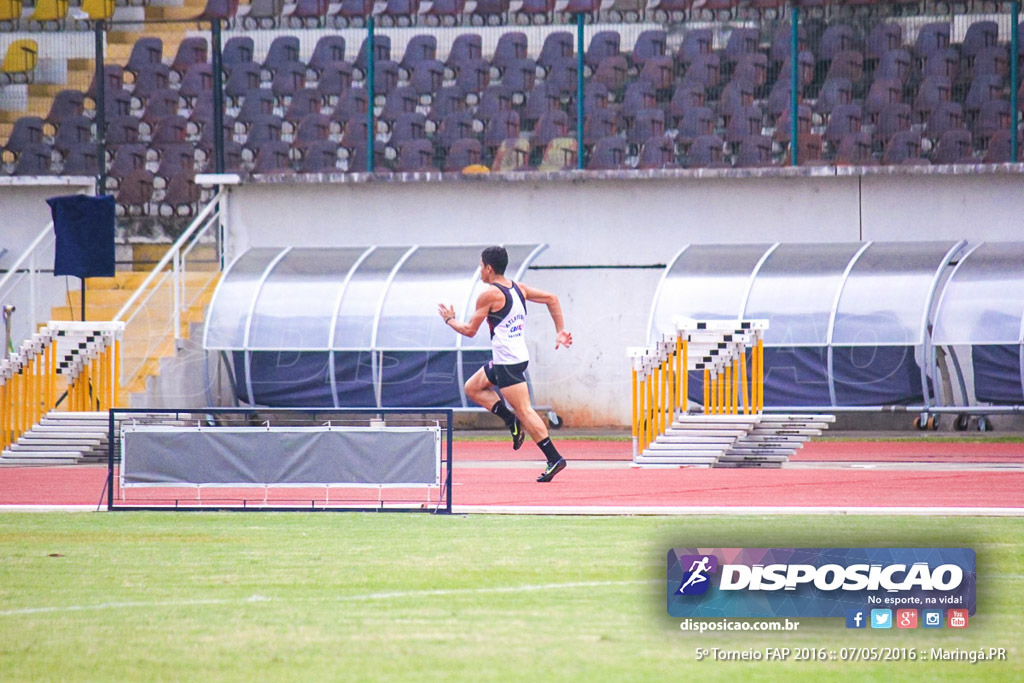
<point x="13" y="270"/>
<point x="122" y="315"/>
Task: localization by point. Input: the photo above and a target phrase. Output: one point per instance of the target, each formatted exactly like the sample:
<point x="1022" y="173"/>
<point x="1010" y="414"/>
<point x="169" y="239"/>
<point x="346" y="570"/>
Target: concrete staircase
<point x="62" y="438"/>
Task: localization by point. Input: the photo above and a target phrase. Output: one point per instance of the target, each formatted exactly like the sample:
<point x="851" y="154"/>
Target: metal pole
<point x="1014" y="47"/>
<point x="101" y="110"/>
<point x="794" y="82"/>
<point x="218" y="98"/>
<point x="369" y="94"/>
<point x="83" y="298"/>
<point x="579" y="91"/>
<point x="8" y="311"/>
<point x="448" y="474"/>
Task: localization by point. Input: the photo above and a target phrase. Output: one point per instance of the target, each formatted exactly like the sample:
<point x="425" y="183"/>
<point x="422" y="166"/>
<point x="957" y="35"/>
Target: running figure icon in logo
<point x="696" y="581"/>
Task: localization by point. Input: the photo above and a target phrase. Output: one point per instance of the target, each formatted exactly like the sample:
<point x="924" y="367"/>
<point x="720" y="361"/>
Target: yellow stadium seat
<point x="50" y="11"/>
<point x="98" y="9"/>
<point x="19" y="62"/>
<point x="10" y="13"/>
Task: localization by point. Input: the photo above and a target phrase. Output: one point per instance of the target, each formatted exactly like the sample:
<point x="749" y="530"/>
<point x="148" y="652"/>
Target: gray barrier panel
<point x="280" y="456"/>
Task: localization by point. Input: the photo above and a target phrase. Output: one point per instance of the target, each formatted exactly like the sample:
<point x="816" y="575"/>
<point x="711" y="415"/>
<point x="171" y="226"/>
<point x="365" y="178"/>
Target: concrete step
<point x="32" y="441"/>
<point x="8" y="458"/>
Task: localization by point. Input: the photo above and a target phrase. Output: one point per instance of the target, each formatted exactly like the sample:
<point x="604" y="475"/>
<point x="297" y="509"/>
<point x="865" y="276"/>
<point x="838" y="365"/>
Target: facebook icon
<point x="856" y="618"/>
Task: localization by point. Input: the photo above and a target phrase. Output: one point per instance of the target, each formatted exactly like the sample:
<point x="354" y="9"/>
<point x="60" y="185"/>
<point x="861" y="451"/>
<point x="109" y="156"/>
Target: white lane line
<point x="732" y="510"/>
<point x="358" y="597"/>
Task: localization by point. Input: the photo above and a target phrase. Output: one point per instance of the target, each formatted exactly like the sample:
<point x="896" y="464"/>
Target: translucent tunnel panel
<point x="706" y="281"/>
<point x="362" y="299"/>
<point x="983" y="302"/>
<point x="295" y="307"/>
<point x="795" y="290"/>
<point x="431" y="275"/>
<point x="228" y="318"/>
<point x="887" y="293"/>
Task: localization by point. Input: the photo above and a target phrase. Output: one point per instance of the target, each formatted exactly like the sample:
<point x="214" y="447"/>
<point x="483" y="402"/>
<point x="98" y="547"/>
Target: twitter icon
<point x="881" y="618"/>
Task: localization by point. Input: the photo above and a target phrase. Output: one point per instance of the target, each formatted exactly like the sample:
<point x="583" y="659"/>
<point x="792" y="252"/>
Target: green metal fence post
<point x="369" y="94"/>
<point x="101" y="112"/>
<point x="579" y="91"/>
<point x="1014" y="77"/>
<point x="218" y="98"/>
<point x="794" y="83"/>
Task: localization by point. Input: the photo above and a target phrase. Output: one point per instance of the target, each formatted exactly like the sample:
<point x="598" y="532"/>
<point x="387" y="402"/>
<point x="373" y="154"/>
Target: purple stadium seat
<point x="931" y="38"/>
<point x="603" y="44"/>
<point x="446" y="12"/>
<point x="244" y="78"/>
<point x="994" y="116"/>
<point x="834" y="92"/>
<point x="266" y="128"/>
<point x="310" y="13"/>
<point x="289" y="78"/>
<point x="696" y="42"/>
<point x="170" y="130"/>
<point x="520" y="76"/>
<point x="421" y="48"/>
<point x="692" y="122"/>
<point x="945" y="116"/>
<point x="536" y="11"/>
<point x="153" y="77"/>
<point x="843" y="120"/>
<point x="473" y="76"/>
<point x="659" y="72"/>
<point x="501" y="127"/>
<point x="931" y="91"/>
<point x="74" y="130"/>
<point x="256" y="104"/>
<point x="145" y="50"/>
<point x="416" y="156"/>
<point x="511" y="47"/>
<point x="598" y="124"/>
<point x="639" y="96"/>
<point x="704" y="70"/>
<point x="463" y="153"/>
<point x="427" y="78"/>
<point x="174" y="158"/>
<point x="553" y="124"/>
<point x="283" y="51"/>
<point x="752" y="69"/>
<point x="263" y="14"/>
<point x="400" y="12"/>
<point x="402" y="100"/>
<point x="491" y="12"/>
<point x="954" y="147"/>
<point x="609" y="155"/>
<point x="706" y="152"/>
<point x="219" y="9"/>
<point x="891" y="119"/>
<point x="493" y="99"/>
<point x="197" y="83"/>
<point x="352" y="13"/>
<point x="447" y="100"/>
<point x="135" y="192"/>
<point x="409" y="126"/>
<point x="754" y="151"/>
<point x="304" y="102"/>
<point x="855" y="150"/>
<point x="81" y="160"/>
<point x="983" y="89"/>
<point x="743" y="122"/>
<point x="237" y="50"/>
<point x="847" y="64"/>
<point x="895" y="64"/>
<point x="320" y="156"/>
<point x="466" y="47"/>
<point x="66" y="103"/>
<point x="902" y="148"/>
<point x="28" y="130"/>
<point x="991" y="61"/>
<point x="314" y="127"/>
<point x="649" y="44"/>
<point x="647" y="124"/>
<point x="558" y="46"/>
<point x="998" y="151"/>
<point x="456" y="126"/>
<point x="273" y="157"/>
<point x="335" y="79"/>
<point x="838" y="38"/>
<point x="329" y="50"/>
<point x="182" y="195"/>
<point x="612" y="72"/>
<point x="882" y="38"/>
<point x="782" y="41"/>
<point x="979" y="35"/>
<point x="883" y="92"/>
<point x="190" y="51"/>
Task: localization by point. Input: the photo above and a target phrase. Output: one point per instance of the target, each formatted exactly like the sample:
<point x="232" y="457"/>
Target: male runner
<point x="503" y="305"/>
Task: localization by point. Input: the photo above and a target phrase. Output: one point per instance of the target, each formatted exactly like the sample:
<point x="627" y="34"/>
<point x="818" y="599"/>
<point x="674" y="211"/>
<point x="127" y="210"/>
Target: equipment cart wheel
<point x="554" y="421"/>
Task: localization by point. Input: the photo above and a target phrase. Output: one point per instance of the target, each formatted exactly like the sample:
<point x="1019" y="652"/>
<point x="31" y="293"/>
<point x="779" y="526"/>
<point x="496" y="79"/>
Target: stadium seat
<point x="488" y="12"/>
<point x="612" y="72"/>
<point x="742" y="123"/>
<point x="182" y="195"/>
<point x="649" y="44"/>
<point x="931" y="38"/>
<point x="160" y="104"/>
<point x="319" y="157"/>
<point x="135" y="193"/>
<point x="28" y="130"/>
<point x="543" y="98"/>
<point x="754" y="151"/>
<point x="536" y="12"/>
<point x="602" y="44"/>
<point x="190" y="51"/>
<point x="512" y="46"/>
<point x="352" y="13"/>
<point x="426" y="79"/>
<point x="659" y="72"/>
<point x="314" y="127"/>
<point x="994" y="116"/>
<point x="289" y="79"/>
<point x="647" y="124"/>
<point x="609" y="155"/>
<point x="72" y="131"/>
<point x="588" y="8"/>
<point x="445" y="12"/>
<point x="244" y="78"/>
<point x="494" y="99"/>
<point x="458" y="125"/>
<point x="598" y="124"/>
<point x="932" y="91"/>
<point x="855" y="150"/>
<point x="403" y="100"/>
<point x="80" y="160"/>
<point x="658" y="152"/>
<point x="10" y="14"/>
<point x="891" y="119"/>
<point x="49" y="14"/>
<point x="170" y="130"/>
<point x="998" y="151"/>
<point x="512" y="155"/>
<point x="991" y="61"/>
<point x="559" y="155"/>
<point x="329" y="50"/>
<point x="704" y="70"/>
<point x="834" y="92"/>
<point x="903" y="148"/>
<point x="954" y="147"/>
<point x="464" y="152"/>
<point x="844" y="119"/>
<point x="303" y="103"/>
<point x="66" y="103"/>
<point x="263" y="14"/>
<point x="979" y="36"/>
<point x="224" y="10"/>
<point x="310" y="14"/>
<point x="197" y="83"/>
<point x="783" y="128"/>
<point x="19" y="62"/>
<point x="706" y="151"/>
<point x="520" y="76"/>
<point x="502" y="126"/>
<point x="421" y="48"/>
<point x="416" y="156"/>
<point x="671" y="11"/>
<point x="335" y="79"/>
<point x="696" y="42"/>
<point x="881" y="39"/>
<point x="692" y="122"/>
<point x="558" y="46"/>
<point x="145" y="51"/>
<point x="283" y="51"/>
<point x="237" y="50"/>
<point x="896" y="65"/>
<point x="400" y="13"/>
<point x="554" y="124"/>
<point x="883" y="92"/>
<point x="272" y="157"/>
<point x="944" y="117"/>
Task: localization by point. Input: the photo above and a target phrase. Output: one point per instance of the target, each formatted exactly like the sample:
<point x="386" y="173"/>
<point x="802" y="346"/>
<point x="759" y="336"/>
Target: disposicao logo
<point x="818" y="582"/>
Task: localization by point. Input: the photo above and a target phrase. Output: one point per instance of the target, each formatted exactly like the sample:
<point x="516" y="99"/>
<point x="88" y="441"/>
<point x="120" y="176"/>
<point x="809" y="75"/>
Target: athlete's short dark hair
<point x="495" y="257"/>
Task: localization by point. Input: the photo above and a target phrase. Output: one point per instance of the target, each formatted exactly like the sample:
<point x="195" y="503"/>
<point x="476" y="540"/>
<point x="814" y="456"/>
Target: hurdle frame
<point x="370" y="413"/>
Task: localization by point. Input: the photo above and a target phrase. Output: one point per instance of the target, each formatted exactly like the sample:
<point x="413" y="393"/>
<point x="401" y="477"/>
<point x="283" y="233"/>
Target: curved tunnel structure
<point x="352" y="326"/>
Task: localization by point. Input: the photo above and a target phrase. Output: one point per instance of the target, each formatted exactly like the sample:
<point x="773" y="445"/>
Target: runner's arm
<point x="484" y="304"/>
<point x="562" y="336"/>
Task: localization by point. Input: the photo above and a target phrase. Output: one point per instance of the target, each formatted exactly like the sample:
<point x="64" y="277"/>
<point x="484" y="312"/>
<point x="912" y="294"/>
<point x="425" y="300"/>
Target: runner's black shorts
<point x="506" y="375"/>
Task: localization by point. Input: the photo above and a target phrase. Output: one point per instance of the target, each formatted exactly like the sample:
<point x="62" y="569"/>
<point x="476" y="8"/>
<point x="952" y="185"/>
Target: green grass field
<point x="407" y="597"/>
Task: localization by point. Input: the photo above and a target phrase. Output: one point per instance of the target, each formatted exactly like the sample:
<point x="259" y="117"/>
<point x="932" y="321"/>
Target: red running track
<point x="481" y="480"/>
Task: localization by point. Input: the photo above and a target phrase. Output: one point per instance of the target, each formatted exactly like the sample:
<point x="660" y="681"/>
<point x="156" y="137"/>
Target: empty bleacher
<point x="455" y="86"/>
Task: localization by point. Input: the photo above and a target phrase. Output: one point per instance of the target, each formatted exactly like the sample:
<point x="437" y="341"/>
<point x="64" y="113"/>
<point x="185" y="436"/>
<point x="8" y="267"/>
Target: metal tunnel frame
<point x="373" y="299"/>
<point x="906" y="288"/>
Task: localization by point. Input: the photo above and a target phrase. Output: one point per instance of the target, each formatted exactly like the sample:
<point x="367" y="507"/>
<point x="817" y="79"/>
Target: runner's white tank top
<point x="508" y="328"/>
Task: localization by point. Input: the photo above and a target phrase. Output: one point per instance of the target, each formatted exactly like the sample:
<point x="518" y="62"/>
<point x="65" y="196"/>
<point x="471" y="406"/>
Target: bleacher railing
<point x="22" y="281"/>
<point x="155" y="314"/>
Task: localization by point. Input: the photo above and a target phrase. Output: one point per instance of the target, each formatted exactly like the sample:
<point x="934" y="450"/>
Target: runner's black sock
<point x="502" y="411"/>
<point x="550" y="452"/>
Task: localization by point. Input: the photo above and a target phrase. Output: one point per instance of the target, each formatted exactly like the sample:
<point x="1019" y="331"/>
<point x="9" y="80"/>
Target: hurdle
<point x="731" y="428"/>
<point x="70" y="365"/>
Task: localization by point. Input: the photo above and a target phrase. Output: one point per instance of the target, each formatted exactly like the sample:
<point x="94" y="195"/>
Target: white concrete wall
<point x="624" y="222"/>
<point x="24" y="214"/>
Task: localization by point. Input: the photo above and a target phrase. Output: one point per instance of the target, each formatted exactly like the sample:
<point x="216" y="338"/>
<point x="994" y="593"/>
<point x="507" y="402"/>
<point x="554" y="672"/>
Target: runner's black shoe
<point x="518" y="434"/>
<point x="552" y="469"/>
